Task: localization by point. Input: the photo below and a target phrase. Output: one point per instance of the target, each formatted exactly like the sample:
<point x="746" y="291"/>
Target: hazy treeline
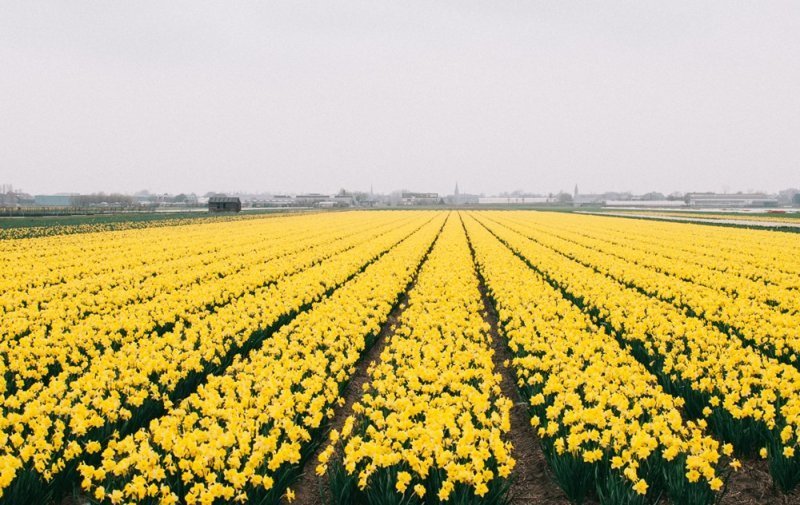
<point x="114" y="199"/>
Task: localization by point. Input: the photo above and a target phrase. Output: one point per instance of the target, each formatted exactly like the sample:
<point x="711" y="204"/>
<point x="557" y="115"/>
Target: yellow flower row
<point x="716" y="260"/>
<point x="747" y="398"/>
<point x="432" y="420"/>
<point x="790" y="217"/>
<point x="120" y="388"/>
<point x="242" y="434"/>
<point x="54" y="262"/>
<point x="760" y="255"/>
<point x="592" y="402"/>
<point x="62" y="338"/>
<point x="133" y="222"/>
<point x="766" y="315"/>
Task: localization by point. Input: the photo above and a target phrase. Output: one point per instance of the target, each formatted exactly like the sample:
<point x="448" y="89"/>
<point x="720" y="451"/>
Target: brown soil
<point x="75" y="500"/>
<point x="531" y="482"/>
<point x="309" y="487"/>
<point x="752" y="485"/>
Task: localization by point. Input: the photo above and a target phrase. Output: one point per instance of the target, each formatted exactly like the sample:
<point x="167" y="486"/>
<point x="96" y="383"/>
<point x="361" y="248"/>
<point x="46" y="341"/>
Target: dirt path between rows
<point x="531" y="481"/>
<point x="309" y="487"/>
<point x="752" y="485"/>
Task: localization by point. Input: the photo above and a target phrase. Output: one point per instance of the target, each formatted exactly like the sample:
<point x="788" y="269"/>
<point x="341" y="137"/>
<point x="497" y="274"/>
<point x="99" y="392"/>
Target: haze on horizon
<point x="314" y="96"/>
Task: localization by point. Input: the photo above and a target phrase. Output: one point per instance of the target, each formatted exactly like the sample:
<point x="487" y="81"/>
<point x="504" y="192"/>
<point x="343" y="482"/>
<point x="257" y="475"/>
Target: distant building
<point x="310" y="199"/>
<point x="344" y="200"/>
<point x="645" y="203"/>
<point x="274" y="201"/>
<point x="730" y="200"/>
<point x="588" y="200"/>
<point x="224" y="204"/>
<point x="144" y="199"/>
<point x="409" y="198"/>
<point x="8" y="200"/>
<point x="54" y="200"/>
<point x="513" y="200"/>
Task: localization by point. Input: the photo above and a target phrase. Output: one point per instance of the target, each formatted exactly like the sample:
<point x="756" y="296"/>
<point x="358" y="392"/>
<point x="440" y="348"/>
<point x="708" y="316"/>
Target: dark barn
<point x="224" y="204"/>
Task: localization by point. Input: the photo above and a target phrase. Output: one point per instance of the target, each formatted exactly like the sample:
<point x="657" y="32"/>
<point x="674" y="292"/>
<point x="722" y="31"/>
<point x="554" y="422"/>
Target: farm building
<point x="512" y="200"/>
<point x="63" y="200"/>
<point x="731" y="200"/>
<point x="224" y="204"/>
<point x="409" y="198"/>
<point x="310" y="199"/>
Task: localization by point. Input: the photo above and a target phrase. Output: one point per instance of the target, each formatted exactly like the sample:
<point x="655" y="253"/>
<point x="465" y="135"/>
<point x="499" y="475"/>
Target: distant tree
<point x="796" y="199"/>
<point x="564" y="197"/>
<point x="653" y="195"/>
<point x="181" y="198"/>
<point x="360" y="196"/>
<point x="395" y="197"/>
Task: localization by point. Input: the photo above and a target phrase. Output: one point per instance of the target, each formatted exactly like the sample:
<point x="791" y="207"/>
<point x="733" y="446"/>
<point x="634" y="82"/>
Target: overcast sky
<point x="313" y="96"/>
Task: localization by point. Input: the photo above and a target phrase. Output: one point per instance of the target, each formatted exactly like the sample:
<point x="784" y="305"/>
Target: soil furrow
<point x="310" y="488"/>
<point x="751" y="485"/>
<point x="531" y="481"/>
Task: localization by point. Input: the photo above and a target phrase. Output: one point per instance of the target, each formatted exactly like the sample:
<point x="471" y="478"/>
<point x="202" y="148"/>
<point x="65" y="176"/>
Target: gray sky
<point x="294" y="96"/>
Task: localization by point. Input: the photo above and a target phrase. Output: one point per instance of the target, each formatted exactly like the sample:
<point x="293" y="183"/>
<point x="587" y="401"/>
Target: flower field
<point x="213" y="362"/>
